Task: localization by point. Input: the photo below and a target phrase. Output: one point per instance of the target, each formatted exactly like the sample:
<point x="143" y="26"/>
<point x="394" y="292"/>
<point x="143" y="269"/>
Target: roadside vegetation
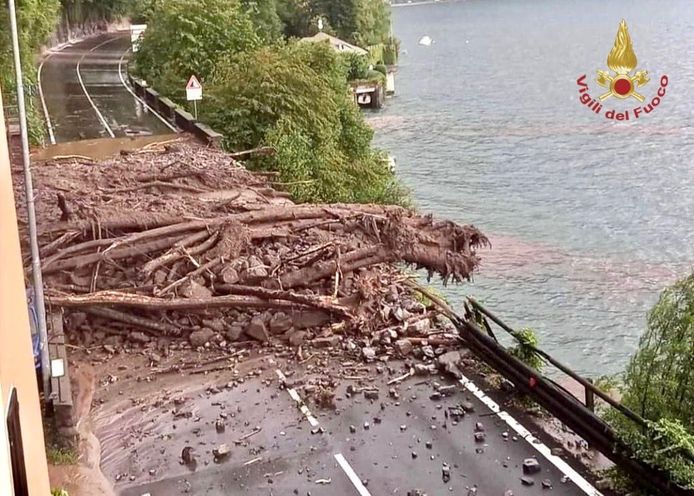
<point x="659" y="385"/>
<point x="264" y="89"/>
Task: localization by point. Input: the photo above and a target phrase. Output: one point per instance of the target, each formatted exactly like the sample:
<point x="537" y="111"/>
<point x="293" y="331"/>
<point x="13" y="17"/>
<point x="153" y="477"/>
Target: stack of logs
<point x="181" y="241"/>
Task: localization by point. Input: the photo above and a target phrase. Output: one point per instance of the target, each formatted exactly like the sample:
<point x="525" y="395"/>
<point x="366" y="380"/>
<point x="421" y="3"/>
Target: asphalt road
<point x="84" y="92"/>
<point x="366" y="446"/>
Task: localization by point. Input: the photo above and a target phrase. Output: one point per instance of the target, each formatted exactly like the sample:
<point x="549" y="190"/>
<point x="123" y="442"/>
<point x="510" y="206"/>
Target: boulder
<point x="195" y="290"/>
<point x="280" y="323"/>
<point x="199" y="338"/>
<point x="404" y="346"/>
<point x="234" y="333"/>
<point x="257" y="329"/>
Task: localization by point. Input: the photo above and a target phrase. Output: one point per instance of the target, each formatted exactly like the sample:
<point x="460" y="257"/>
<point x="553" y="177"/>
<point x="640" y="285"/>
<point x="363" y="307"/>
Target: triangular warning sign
<point x="193" y="84"/>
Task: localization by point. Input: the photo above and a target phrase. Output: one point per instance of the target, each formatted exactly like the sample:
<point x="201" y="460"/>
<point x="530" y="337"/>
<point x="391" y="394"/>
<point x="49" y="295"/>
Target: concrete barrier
<point x="176" y="115"/>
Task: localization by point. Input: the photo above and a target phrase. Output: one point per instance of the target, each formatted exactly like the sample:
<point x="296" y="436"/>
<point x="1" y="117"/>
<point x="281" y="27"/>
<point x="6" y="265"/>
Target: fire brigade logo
<point x="623" y="81"/>
<point x="622" y="61"/>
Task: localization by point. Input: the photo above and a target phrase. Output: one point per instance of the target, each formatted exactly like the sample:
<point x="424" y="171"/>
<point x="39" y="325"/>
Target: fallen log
<point x="120" y="299"/>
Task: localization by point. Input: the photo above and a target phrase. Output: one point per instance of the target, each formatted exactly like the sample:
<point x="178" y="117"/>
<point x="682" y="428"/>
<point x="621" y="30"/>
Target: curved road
<point x="85" y="95"/>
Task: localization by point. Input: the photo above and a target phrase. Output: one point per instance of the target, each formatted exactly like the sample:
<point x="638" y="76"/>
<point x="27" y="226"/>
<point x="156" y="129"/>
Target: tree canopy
<point x="185" y="38"/>
<point x="292" y="96"/>
<point x="659" y="386"/>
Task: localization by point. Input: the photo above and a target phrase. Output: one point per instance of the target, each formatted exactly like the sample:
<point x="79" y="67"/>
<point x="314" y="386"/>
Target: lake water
<point x="589" y="218"/>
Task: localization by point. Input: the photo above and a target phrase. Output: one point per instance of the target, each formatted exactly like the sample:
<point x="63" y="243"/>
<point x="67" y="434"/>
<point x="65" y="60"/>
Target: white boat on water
<point x="425" y="41"/>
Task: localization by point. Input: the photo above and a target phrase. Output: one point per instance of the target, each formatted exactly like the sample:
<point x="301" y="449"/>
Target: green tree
<point x="263" y="14"/>
<point x="295" y="99"/>
<point x="36" y="20"/>
<point x="659" y="381"/>
<point x="185" y="38"/>
<point x="659" y="385"/>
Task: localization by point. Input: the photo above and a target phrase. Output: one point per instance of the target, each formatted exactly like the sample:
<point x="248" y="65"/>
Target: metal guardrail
<point x="576" y="415"/>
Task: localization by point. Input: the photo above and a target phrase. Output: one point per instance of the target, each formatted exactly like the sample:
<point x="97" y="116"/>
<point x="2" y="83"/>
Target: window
<point x="14" y="434"/>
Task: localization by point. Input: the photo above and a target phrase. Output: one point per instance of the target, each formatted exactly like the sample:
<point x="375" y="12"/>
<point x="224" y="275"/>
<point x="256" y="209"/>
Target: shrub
<point x="527" y="339"/>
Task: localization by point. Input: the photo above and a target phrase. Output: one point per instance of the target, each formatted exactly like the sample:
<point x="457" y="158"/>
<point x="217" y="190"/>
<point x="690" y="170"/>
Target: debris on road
<point x="181" y="244"/>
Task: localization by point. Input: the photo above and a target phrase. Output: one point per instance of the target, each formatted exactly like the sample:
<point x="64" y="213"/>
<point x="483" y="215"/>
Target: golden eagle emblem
<point x="622" y="61"/>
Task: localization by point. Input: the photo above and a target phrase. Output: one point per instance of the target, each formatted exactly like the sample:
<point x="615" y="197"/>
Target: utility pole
<point x="31" y="211"/>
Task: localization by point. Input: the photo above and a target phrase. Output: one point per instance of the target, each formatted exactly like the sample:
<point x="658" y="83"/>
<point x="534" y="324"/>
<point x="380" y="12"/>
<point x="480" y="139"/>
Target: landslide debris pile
<point x="181" y="242"/>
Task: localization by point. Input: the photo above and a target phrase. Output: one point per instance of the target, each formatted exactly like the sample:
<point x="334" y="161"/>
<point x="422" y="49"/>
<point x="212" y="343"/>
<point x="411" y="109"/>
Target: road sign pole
<point x="195" y="106"/>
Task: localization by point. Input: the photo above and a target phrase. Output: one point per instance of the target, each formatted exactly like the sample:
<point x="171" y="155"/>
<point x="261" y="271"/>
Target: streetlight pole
<point x="31" y="211"/>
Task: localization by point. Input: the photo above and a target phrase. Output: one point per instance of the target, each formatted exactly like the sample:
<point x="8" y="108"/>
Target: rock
<point x="230" y="275"/>
<point x="199" y="338"/>
<point x="108" y="348"/>
<point x="297" y="338"/>
<point x="508" y="493"/>
<point x="428" y="351"/>
<point x="352" y="429"/>
<point x="420" y="327"/>
<point x="480" y="437"/>
<point x="531" y="466"/>
<point x="219" y="426"/>
<point x="546" y="484"/>
<point x="257" y="330"/>
<point x="195" y="290"/>
<point x="368" y="353"/>
<point x="445" y="473"/>
<point x="309" y="319"/>
<point x="527" y="481"/>
<point x="279" y="323"/>
<point x="139" y="337"/>
<point x="221" y="452"/>
<point x="234" y="333"/>
<point x="468" y="406"/>
<point x="187" y="455"/>
<point x="479" y="427"/>
<point x="404" y="346"/>
<point x="401" y="314"/>
<point x="217" y="325"/>
<point x="159" y="277"/>
<point x="371" y="394"/>
<point x="326" y="342"/>
<point x="449" y="363"/>
<point x="256" y="268"/>
<point x="435" y="396"/>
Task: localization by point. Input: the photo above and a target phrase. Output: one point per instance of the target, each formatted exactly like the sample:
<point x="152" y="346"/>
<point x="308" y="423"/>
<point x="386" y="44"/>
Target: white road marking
<point x="302" y="406"/>
<point x="51" y="135"/>
<point x="543" y="449"/>
<point x="122" y="80"/>
<point x="353" y="477"/>
<point x="79" y="77"/>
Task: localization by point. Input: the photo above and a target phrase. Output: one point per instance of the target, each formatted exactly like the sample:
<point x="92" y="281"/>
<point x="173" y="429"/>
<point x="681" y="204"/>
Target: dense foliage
<point x="659" y="385"/>
<point x="291" y="96"/>
<point x="185" y="38"/>
<point x="36" y="20"/>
